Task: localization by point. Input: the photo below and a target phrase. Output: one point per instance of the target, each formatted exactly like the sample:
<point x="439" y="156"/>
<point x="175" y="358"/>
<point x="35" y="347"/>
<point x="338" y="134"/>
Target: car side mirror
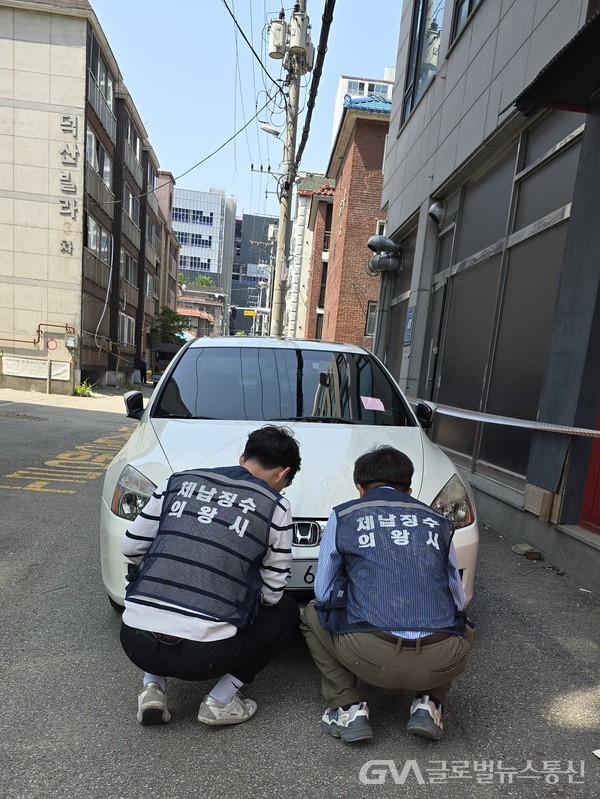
<point x="134" y="404"/>
<point x="424" y="415"/>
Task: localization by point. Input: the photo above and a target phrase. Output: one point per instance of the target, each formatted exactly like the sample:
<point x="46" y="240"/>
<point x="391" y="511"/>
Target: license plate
<point x="303" y="574"/>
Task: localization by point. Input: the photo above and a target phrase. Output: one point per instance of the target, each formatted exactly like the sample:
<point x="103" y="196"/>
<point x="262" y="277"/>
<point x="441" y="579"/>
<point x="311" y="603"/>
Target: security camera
<point x="382" y="244"/>
<point x="437" y="211"/>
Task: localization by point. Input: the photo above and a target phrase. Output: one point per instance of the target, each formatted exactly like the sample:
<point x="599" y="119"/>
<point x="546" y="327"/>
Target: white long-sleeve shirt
<point x="274" y="571"/>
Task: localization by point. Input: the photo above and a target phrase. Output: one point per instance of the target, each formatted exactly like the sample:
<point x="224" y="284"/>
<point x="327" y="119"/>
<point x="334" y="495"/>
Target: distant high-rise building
<point x="255" y="248"/>
<point x="204" y="222"/>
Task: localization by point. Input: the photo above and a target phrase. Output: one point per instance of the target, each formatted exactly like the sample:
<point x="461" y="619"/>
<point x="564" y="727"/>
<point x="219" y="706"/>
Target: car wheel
<point x="115" y="605"/>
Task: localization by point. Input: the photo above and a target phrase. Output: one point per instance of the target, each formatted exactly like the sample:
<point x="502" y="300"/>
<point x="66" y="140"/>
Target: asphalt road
<point x="528" y="706"/>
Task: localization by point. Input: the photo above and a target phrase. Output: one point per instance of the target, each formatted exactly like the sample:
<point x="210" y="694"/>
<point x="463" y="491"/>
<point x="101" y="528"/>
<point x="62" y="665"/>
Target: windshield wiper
<point x="334" y="419"/>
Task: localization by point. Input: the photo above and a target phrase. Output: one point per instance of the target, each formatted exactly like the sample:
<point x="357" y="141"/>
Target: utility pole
<point x="290" y="42"/>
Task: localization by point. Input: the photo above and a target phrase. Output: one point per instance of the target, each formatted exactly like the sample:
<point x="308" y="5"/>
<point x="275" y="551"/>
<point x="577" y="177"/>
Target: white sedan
<point x="338" y="399"/>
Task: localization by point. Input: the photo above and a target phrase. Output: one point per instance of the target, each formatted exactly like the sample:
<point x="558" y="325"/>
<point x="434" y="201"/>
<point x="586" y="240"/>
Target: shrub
<point x="83" y="389"/>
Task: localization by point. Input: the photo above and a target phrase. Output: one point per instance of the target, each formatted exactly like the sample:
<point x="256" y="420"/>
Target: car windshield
<point x="277" y="384"/>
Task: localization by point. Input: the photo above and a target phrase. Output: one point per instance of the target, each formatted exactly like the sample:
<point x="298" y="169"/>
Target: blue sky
<point x="194" y="83"/>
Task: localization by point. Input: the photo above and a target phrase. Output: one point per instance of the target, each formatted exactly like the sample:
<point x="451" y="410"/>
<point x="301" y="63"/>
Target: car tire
<point x="115" y="605"/>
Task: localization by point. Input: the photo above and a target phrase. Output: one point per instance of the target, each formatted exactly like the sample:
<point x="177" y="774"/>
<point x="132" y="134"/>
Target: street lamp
<point x="270" y="129"/>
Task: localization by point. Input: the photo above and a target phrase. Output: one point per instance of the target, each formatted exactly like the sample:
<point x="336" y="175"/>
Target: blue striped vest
<point x="395" y="554"/>
<point x="212" y="537"/>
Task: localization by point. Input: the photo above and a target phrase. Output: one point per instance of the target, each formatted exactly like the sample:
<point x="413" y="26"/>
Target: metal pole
<point x="285" y="199"/>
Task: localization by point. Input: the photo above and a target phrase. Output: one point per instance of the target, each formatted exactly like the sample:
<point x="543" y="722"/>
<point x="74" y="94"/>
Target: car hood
<point x="328" y="453"/>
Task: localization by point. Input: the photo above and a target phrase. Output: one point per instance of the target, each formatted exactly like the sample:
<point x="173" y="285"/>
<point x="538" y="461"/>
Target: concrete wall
<point x="42" y="92"/>
<point x="500" y="51"/>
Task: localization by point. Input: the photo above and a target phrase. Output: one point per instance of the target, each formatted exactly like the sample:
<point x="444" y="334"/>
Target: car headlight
<point x="454" y="504"/>
<point x="131" y="493"/>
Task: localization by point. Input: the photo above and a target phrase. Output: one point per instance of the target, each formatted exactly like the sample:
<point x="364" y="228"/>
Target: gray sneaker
<point x="425" y="719"/>
<point x="152" y="705"/>
<point x="234" y="712"/>
<point x="349" y="725"/>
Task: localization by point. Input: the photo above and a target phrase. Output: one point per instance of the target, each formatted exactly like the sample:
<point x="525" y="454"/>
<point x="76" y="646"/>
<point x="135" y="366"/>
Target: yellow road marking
<point x="38" y="487"/>
<point x="84" y="462"/>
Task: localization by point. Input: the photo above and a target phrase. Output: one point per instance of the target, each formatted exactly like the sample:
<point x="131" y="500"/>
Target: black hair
<point x="272" y="446"/>
<point x="384" y="465"/>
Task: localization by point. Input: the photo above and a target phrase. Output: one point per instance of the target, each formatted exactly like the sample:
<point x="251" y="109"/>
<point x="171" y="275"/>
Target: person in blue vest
<point x="388" y="602"/>
<point x="207" y="599"/>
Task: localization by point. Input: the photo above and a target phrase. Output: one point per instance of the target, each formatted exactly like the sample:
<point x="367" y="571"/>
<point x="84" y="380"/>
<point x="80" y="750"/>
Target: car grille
<point x="307" y="534"/>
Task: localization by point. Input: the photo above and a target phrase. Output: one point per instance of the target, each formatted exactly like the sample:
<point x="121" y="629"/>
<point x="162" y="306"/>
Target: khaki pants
<point x="344" y="659"/>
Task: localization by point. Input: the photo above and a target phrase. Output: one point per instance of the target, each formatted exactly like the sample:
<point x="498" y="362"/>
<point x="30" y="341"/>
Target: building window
<point x="98" y="240"/>
<point x="195" y="263"/>
<point x="200" y="218"/>
<point x="129" y="268"/>
<point x="150" y="283"/>
<point x="181" y="215"/>
<point x="99" y="71"/>
<point x="131" y="204"/>
<point x="323" y="285"/>
<point x="319" y="329"/>
<point x="462" y="11"/>
<point x="424" y="50"/>
<point x="355" y="87"/>
<point x="126" y="329"/>
<point x="378" y="88"/>
<point x="97" y="157"/>
<point x="151" y="177"/>
<point x="371" y="316"/>
<point x="193" y="239"/>
<point x="133" y="139"/>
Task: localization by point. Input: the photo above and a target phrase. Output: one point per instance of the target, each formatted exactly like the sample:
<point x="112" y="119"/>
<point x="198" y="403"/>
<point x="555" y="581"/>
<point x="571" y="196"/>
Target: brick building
<point x="342" y="297"/>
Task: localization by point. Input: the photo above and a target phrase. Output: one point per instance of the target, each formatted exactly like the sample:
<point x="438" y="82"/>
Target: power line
<point x="317" y="72"/>
<point x="237" y="24"/>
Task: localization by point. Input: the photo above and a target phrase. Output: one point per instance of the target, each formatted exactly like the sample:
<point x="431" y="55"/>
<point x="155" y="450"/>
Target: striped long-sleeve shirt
<point x="274" y="572"/>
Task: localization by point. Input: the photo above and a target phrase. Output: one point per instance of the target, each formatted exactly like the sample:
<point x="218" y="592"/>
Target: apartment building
<point x="490" y="192"/>
<point x="80" y="224"/>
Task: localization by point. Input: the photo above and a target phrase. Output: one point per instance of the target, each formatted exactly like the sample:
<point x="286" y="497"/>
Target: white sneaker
<point x="234" y="712"/>
<point x="152" y="705"/>
<point x="425" y="719"/>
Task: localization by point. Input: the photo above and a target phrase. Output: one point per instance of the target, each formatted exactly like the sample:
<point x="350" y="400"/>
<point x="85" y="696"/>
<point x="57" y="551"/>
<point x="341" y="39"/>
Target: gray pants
<point x="344" y="659"/>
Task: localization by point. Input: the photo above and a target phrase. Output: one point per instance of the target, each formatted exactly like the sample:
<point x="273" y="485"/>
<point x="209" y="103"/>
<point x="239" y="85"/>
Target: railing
<point x="326" y="241"/>
<point x="98" y="189"/>
<point x="133" y="165"/>
<point x="153" y="202"/>
<point x="95" y="269"/>
<point x="130" y="229"/>
<point x="151" y="254"/>
<point x="149" y="306"/>
<point x="101" y="107"/>
<point x="129" y="293"/>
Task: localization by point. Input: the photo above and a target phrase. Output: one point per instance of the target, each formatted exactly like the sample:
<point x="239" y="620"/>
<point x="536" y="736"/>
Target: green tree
<point x="168" y="327"/>
<point x="181" y="279"/>
<point x="203" y="280"/>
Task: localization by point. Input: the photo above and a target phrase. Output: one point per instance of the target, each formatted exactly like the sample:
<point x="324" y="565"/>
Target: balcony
<point x="133" y="165"/>
<point x="153" y="202"/>
<point x="97" y="188"/>
<point x="94" y="269"/>
<point x="130" y="229"/>
<point x="102" y="109"/>
<point x="129" y="294"/>
<point x="150" y="306"/>
<point x="151" y="254"/>
<point x="326" y="240"/>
